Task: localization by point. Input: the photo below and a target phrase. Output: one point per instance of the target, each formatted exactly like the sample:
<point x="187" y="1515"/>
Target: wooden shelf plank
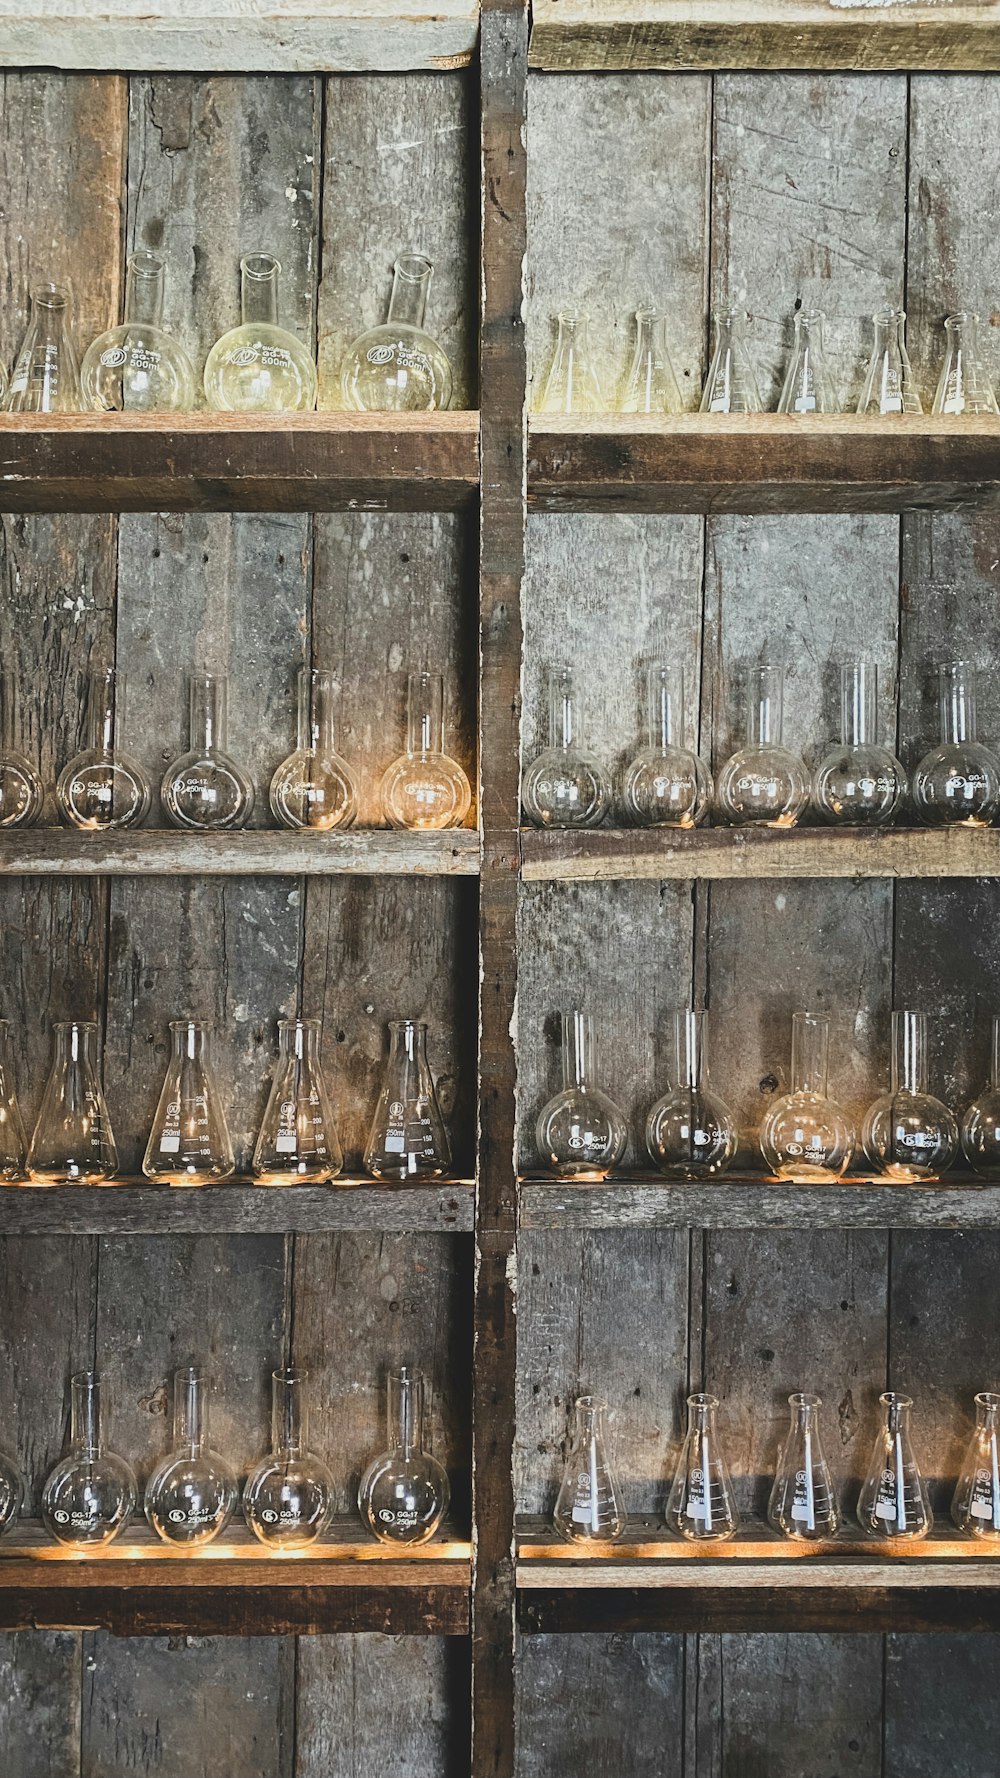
<point x="258" y="852"/>
<point x="201" y="462"/>
<point x="134" y="1207"/>
<point x="607" y="854"/>
<point x="749" y="463"/>
<point x="643" y="1201"/>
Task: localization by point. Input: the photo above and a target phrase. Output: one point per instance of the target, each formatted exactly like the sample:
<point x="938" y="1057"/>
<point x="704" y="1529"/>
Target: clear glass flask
<point x="894" y="1501"/>
<point x="981" y="1123"/>
<point x="907" y="1133"/>
<point x="314" y="786"/>
<point x="960" y="779"/>
<point x="731" y="386"/>
<point x="666" y="785"/>
<point x="589" y="1508"/>
<point x="404" y="1493"/>
<point x="803" y="1502"/>
<point x="72" y="1142"/>
<point x="807" y="388"/>
<point x="297" y="1142"/>
<point x="650" y="386"/>
<point x="13" y="1156"/>
<point x="11" y="1492"/>
<point x="805" y="1135"/>
<point x="889" y="387"/>
<point x="205" y="788"/>
<point x="975" y="1506"/>
<point x="408" y="1140"/>
<point x="288" y="1499"/>
<point x="964" y="386"/>
<point x="859" y="783"/>
<point x="138" y="367"/>
<point x="46" y="376"/>
<point x="22" y="793"/>
<point x="701" y="1505"/>
<point x="189" y="1142"/>
<point x="260" y="367"/>
<point x="572" y="385"/>
<point x="690" y="1133"/>
<point x="103" y="787"/>
<point x="763" y="782"/>
<point x="565" y="786"/>
<point x="580" y="1133"/>
<point x="192" y="1492"/>
<point x="399" y="367"/>
<point x="425" y="789"/>
<point x="91" y="1494"/>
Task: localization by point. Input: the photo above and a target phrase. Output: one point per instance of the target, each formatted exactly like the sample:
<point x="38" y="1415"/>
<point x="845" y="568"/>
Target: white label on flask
<point x="800" y="1503"/>
<point x="395" y="1143"/>
<point x="286" y="1143"/>
<point x="169" y="1144"/>
<point x="697" y="1506"/>
<point x="885" y="1504"/>
<point x="981" y="1504"/>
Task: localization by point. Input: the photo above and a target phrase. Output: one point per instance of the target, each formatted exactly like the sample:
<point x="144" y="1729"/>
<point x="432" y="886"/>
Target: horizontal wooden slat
<point x="727" y="852"/>
<point x="643" y="1202"/>
<point x="155" y="852"/>
<point x="139" y="1208"/>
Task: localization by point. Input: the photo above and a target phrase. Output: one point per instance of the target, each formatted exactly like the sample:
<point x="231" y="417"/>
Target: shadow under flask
<point x="650" y="386"/>
<point x="189" y="1142"/>
<point x="102" y="787"/>
<point x="702" y="1505"/>
<point x="288" y="1498"/>
<point x="580" y="1133"/>
<point x="975" y="1507"/>
<point x="763" y="782"/>
<point x="907" y="1133"/>
<point x="690" y="1134"/>
<point x="13" y="1156"/>
<point x="731" y="386"/>
<point x="407" y="1141"/>
<point x="807" y="388"/>
<point x="666" y="785"/>
<point x="963" y="386"/>
<point x="314" y="786"/>
<point x="72" y="1142"/>
<point x="404" y="1493"/>
<point x="803" y="1503"/>
<point x="424" y="789"/>
<point x="399" y="367"/>
<point x="11" y="1492"/>
<point x="572" y="385"/>
<point x="981" y="1123"/>
<point x="960" y="779"/>
<point x="805" y="1135"/>
<point x="894" y="1501"/>
<point x="46" y="376"/>
<point x="205" y="788"/>
<point x="192" y="1493"/>
<point x="260" y="367"/>
<point x="859" y="783"/>
<point x="297" y="1142"/>
<point x="589" y="1508"/>
<point x="91" y="1494"/>
<point x="22" y="792"/>
<point x="139" y="367"/>
<point x="889" y="387"/>
<point x="565" y="786"/>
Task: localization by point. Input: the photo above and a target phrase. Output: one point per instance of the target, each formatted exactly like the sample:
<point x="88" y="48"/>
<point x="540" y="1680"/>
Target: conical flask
<point x="11" y="1492"/>
<point x="288" y="1499"/>
<point x="981" y="1123"/>
<point x="425" y="788"/>
<point x="976" y="1504"/>
<point x="260" y="367"/>
<point x="189" y="1141"/>
<point x="888" y="386"/>
<point x="650" y="386"/>
<point x="589" y="1508"/>
<point x="102" y="787"/>
<point x="666" y="785"/>
<point x="12" y="1145"/>
<point x="908" y="1134"/>
<point x="297" y="1142"/>
<point x="803" y="1503"/>
<point x="963" y="386"/>
<point x="731" y="386"/>
<point x="894" y="1501"/>
<point x="46" y="377"/>
<point x="580" y="1133"/>
<point x="565" y="786"/>
<point x="91" y="1494"/>
<point x="22" y="793"/>
<point x="807" y="388"/>
<point x="408" y="1141"/>
<point x="192" y="1492"/>
<point x="690" y="1134"/>
<point x="399" y="367"/>
<point x="72" y="1142"/>
<point x="702" y="1505"/>
<point x="314" y="786"/>
<point x="138" y="367"/>
<point x="572" y="385"/>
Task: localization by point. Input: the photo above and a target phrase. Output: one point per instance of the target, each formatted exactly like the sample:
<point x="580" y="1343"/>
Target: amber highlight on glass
<point x="260" y="367"/>
<point x="46" y="376"/>
<point x="981" y="1123"/>
<point x="189" y="1142"/>
<point x="138" y="367"/>
<point x="565" y="786"/>
<point x="807" y="388"/>
<point x="297" y="1142"/>
<point x="580" y="1133"/>
<point x="425" y="789"/>
<point x="13" y="1151"/>
<point x="975" y="1507"/>
<point x="572" y="385"/>
<point x="72" y="1142"/>
<point x="690" y="1133"/>
<point x="894" y="1502"/>
<point x="22" y="793"/>
<point x="731" y="385"/>
<point x="191" y="1494"/>
<point x="205" y="788"/>
<point x="859" y="783"/>
<point x="959" y="780"/>
<point x="288" y="1498"/>
<point x="399" y="367"/>
<point x="314" y="786"/>
<point x="803" y="1503"/>
<point x="908" y="1134"/>
<point x="404" y="1493"/>
<point x="650" y="386"/>
<point x="102" y="787"/>
<point x="963" y="386"/>
<point x="763" y="782"/>
<point x="805" y="1135"/>
<point x="91" y="1494"/>
<point x="408" y="1140"/>
<point x="589" y="1508"/>
<point x="666" y="785"/>
<point x="702" y="1505"/>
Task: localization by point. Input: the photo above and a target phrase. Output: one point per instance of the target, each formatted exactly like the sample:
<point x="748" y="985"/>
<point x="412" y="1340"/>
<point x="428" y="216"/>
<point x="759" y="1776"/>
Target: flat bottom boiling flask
<point x="91" y="1494"/>
<point x="404" y="1493"/>
<point x="589" y="1508"/>
<point x="288" y="1498"/>
<point x="192" y="1493"/>
<point x="803" y="1503"/>
<point x="894" y="1502"/>
<point x="702" y="1505"/>
<point x="690" y="1133"/>
<point x="11" y="1492"/>
<point x="580" y="1133"/>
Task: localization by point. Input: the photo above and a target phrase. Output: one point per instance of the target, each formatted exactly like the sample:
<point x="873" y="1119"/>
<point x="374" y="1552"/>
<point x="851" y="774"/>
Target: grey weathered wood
<point x="572" y="1692"/>
<point x="40" y="1709"/>
<point x="137" y="1208"/>
<point x="747" y="1203"/>
<point x="351" y="1705"/>
<point x="714" y="853"/>
<point x="165" y="852"/>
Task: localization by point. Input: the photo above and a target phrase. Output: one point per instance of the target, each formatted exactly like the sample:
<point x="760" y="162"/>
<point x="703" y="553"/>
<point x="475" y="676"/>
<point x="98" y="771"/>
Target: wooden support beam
<point x="726" y="853"/>
<point x="255" y="852"/>
<point x="637" y="1201"/>
<point x="238" y="1208"/>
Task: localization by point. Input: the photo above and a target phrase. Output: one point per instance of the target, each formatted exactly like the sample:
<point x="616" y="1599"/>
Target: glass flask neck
<point x="765" y="706"/>
<point x="190" y="1409"/>
<point x="858" y="703"/>
<point x="405" y="1397"/>
<point x="289" y="1428"/>
<point x="957" y="681"/>
<point x="578" y="1050"/>
<point x="909" y="1052"/>
<point x="896" y="1413"/>
<point x="144" y="289"/>
<point x="299" y="1039"/>
<point x="987" y="1411"/>
<point x="562" y="710"/>
<point x="701" y="1413"/>
<point x="408" y="1036"/>
<point x="190" y="1040"/>
<point x="665" y="691"/>
<point x="690" y="1038"/>
<point x="317" y="700"/>
<point x="730" y="327"/>
<point x="411" y="279"/>
<point x="805" y="1411"/>
<point x="76" y="1041"/>
<point x="101" y="713"/>
<point x="809" y="329"/>
<point x="425" y="713"/>
<point x="888" y="329"/>
<point x="259" y="274"/>
<point x="810" y="1049"/>
<point x="650" y="328"/>
<point x="962" y="332"/>
<point x="209" y="701"/>
<point x="50" y="313"/>
<point x="590" y="1416"/>
<point x="85" y="1414"/>
<point x="7" y="703"/>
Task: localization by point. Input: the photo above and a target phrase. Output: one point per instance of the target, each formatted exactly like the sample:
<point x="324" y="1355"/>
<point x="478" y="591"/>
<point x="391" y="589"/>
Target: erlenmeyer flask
<point x="702" y="1505"/>
<point x="399" y="367"/>
<point x="650" y="386"/>
<point x="11" y="1492"/>
<point x="580" y="1133"/>
<point x="894" y="1501"/>
<point x="690" y="1134"/>
<point x="589" y="1508"/>
<point x="425" y="788"/>
<point x="408" y="1140"/>
<point x="91" y="1494"/>
<point x="297" y="1142"/>
<point x="806" y="1135"/>
<point x="963" y="386"/>
<point x="888" y="386"/>
<point x="12" y="1145"/>
<point x="314" y="786"/>
<point x="205" y="788"/>
<point x="21" y="790"/>
<point x="666" y="785"/>
<point x="260" y="367"/>
<point x="189" y="1141"/>
<point x="975" y="1507"/>
<point x="404" y="1493"/>
<point x="960" y="779"/>
<point x="192" y="1492"/>
<point x="565" y="786"/>
<point x="72" y="1141"/>
<point x="572" y="385"/>
<point x="46" y="377"/>
<point x="907" y="1133"/>
<point x="731" y="386"/>
<point x="102" y="787"/>
<point x="764" y="782"/>
<point x="859" y="783"/>
<point x="981" y="1123"/>
<point x="803" y="1503"/>
<point x="288" y="1499"/>
<point x="807" y="388"/>
<point x="138" y="368"/>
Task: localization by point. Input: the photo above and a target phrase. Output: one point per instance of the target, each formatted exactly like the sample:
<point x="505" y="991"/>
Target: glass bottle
<point x="889" y="387"/>
<point x="46" y="376"/>
<point x="894" y="1501"/>
<point x="859" y="783"/>
<point x="589" y="1508"/>
<point x="666" y="785"/>
<point x="288" y="1499"/>
<point x="960" y="779"/>
<point x="907" y="1133"/>
<point x="189" y="1142"/>
<point x="702" y="1505"/>
<point x="690" y="1134"/>
<point x="407" y="1141"/>
<point x="975" y="1507"/>
<point x="807" y="388"/>
<point x="102" y="787"/>
<point x="11" y="1492"/>
<point x="204" y="788"/>
<point x="764" y="782"/>
<point x="297" y="1141"/>
<point x="404" y="1493"/>
<point x="12" y="1143"/>
<point x="138" y="367"/>
<point x="314" y="786"/>
<point x="260" y="367"/>
<point x="650" y="386"/>
<point x="580" y="1133"/>
<point x="21" y="790"/>
<point x="963" y="386"/>
<point x="803" y="1502"/>
<point x="72" y="1142"/>
<point x="731" y="386"/>
<point x="565" y="786"/>
<point x="192" y="1492"/>
<point x="981" y="1123"/>
<point x="91" y="1494"/>
<point x="572" y="385"/>
<point x="399" y="367"/>
<point x="805" y="1135"/>
<point x="425" y="788"/>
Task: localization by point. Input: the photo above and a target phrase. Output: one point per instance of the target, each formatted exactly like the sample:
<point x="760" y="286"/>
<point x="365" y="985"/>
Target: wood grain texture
<point x="572" y="1694"/>
<point x="720" y="853"/>
<point x="349" y="1697"/>
<point x="257" y="1610"/>
<point x="746" y="1203"/>
<point x="138" y="1208"/>
<point x="165" y="852"/>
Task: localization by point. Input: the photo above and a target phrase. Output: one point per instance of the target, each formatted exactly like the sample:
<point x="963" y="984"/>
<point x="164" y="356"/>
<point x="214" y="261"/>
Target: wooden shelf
<point x="326" y="462"/>
<point x="749" y="463"/>
<point x="253" y="852"/>
<point x="136" y="1207"/>
<point x="718" y="853"/>
<point x="646" y="1200"/>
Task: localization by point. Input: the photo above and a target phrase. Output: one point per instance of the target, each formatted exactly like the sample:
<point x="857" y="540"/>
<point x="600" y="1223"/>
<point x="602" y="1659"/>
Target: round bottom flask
<point x="580" y="1133"/>
<point x="191" y="1495"/>
<point x="288" y="1498"/>
<point x="805" y="1135"/>
<point x="907" y="1133"/>
<point x="404" y="1493"/>
<point x="91" y="1495"/>
<point x="690" y="1134"/>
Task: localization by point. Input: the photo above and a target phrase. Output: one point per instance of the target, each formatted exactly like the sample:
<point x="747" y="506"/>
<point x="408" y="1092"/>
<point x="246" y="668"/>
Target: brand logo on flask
<point x="269" y="1515"/>
<point x="177" y="1515"/>
<point x="380" y="354"/>
<point x="113" y="357"/>
<point x="243" y="356"/>
<point x="61" y="1516"/>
